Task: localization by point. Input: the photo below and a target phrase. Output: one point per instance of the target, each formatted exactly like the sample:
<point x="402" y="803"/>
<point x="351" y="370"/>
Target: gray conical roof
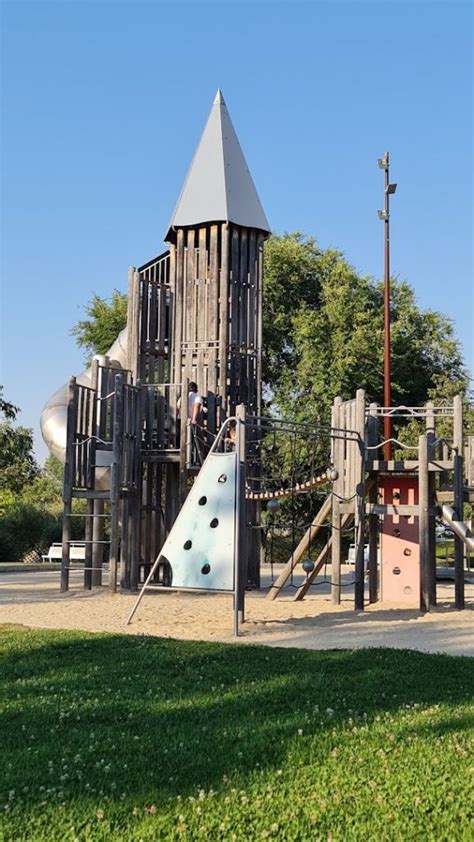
<point x="218" y="186"/>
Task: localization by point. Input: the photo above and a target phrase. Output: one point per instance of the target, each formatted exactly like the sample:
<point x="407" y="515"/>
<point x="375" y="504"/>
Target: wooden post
<point x="97" y="505"/>
<point x="185" y="452"/>
<point x="115" y="478"/>
<point x="88" y="535"/>
<point x="359" y="413"/>
<point x="136" y="537"/>
<point x="430" y="434"/>
<point x="423" y="522"/>
<point x="97" y="545"/>
<point x="223" y="319"/>
<point x="458" y="501"/>
<point x="373" y="518"/>
<point x="259" y="338"/>
<point x="125" y="542"/>
<point x="68" y="481"/>
<point x="338" y="448"/>
<point x="133" y="321"/>
<point x="178" y="306"/>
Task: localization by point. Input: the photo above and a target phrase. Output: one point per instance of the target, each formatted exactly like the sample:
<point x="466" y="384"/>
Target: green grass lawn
<point x="106" y="737"/>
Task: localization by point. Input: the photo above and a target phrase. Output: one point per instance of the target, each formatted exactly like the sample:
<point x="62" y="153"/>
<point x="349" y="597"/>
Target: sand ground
<point x="33" y="599"/>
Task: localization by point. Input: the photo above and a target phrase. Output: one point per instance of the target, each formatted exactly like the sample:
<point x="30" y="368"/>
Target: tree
<point x="17" y="463"/>
<point x="323" y="335"/>
<point x="45" y="490"/>
<point x="105" y="319"/>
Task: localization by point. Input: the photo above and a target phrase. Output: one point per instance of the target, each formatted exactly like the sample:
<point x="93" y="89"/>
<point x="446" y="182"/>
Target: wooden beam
<point x="338" y="489"/>
<point x="359" y="487"/>
<point x="411" y="465"/>
<point x="178" y="307"/>
<point x="115" y="482"/>
<point x="423" y="524"/>
<point x="223" y="318"/>
<point x="372" y="439"/>
<point x="320" y="561"/>
<point x="302" y="547"/>
<point x="68" y="480"/>
<point x="458" y="502"/>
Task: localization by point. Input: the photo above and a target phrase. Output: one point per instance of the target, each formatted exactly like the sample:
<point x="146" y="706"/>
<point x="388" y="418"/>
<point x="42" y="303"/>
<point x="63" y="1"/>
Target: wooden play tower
<point x="194" y="314"/>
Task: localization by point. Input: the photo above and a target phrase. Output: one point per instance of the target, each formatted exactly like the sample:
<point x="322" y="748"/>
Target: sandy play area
<point x="33" y="599"/>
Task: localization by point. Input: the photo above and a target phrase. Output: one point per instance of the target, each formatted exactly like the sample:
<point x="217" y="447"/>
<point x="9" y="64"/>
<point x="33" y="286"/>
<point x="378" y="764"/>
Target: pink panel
<point x="399" y="550"/>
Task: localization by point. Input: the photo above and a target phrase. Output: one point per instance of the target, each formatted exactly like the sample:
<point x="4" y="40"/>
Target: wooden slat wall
<point x="199" y="319"/>
<point x="211" y="280"/>
<point x="224" y="293"/>
<point x="212" y="327"/>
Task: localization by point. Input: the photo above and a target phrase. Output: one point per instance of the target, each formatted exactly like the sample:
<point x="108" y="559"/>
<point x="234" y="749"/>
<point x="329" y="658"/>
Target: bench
<point x="351" y="556"/>
<point x="77" y="552"/>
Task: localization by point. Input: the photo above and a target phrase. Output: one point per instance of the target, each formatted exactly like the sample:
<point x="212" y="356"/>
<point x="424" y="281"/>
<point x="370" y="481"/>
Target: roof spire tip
<point x="218" y="186"/>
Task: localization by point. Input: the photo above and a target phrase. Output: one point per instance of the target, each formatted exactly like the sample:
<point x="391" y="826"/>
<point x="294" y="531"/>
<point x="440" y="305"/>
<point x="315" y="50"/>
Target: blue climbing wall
<point x="200" y="546"/>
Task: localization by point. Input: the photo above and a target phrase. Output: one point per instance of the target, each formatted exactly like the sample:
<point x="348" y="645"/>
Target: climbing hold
<point x="308" y="565"/>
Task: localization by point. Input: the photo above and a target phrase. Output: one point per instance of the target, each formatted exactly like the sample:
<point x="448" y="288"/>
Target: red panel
<point x="399" y="549"/>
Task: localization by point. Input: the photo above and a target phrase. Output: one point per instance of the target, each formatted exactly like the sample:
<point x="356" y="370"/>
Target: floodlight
<point x="383" y="162"/>
<point x="383" y="215"/>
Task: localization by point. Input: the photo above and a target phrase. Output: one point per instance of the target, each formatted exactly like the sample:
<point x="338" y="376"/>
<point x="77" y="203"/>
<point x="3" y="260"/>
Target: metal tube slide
<point x="54" y="415"/>
<point x="458" y="526"/>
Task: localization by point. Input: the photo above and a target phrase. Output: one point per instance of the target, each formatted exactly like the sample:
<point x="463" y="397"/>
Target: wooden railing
<point x="161" y="425"/>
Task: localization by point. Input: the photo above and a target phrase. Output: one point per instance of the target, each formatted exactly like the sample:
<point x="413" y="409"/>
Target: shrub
<point x="25" y="528"/>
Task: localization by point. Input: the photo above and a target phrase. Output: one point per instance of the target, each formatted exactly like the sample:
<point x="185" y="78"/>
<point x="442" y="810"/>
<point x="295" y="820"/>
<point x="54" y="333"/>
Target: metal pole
<point x="240" y="551"/>
<point x="237" y="536"/>
<point x="237" y="529"/>
<point x="387" y="396"/>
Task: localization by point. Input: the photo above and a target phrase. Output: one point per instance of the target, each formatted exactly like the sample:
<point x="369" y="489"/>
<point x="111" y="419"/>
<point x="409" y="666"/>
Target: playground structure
<point x="195" y="314"/>
<point x="393" y="505"/>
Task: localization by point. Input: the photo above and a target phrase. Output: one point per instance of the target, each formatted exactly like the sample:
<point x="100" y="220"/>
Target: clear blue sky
<point x="104" y="103"/>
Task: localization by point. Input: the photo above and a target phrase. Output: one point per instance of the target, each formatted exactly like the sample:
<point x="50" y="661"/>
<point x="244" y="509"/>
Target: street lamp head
<point x="391" y="188"/>
<point x="383" y="215"/>
<point x="383" y="162"/>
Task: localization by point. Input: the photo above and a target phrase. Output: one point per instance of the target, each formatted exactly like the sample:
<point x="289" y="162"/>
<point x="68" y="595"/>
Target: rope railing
<point x="392" y="441"/>
<point x="300" y="488"/>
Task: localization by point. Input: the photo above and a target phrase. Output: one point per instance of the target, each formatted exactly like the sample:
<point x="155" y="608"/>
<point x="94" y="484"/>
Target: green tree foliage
<point x="105" y="319"/>
<point x="45" y="489"/>
<point x="323" y="335"/>
<point x="17" y="463"/>
<point x="30" y="499"/>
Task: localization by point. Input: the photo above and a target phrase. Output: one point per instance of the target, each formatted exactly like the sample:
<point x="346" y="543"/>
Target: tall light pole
<point x="384" y="164"/>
